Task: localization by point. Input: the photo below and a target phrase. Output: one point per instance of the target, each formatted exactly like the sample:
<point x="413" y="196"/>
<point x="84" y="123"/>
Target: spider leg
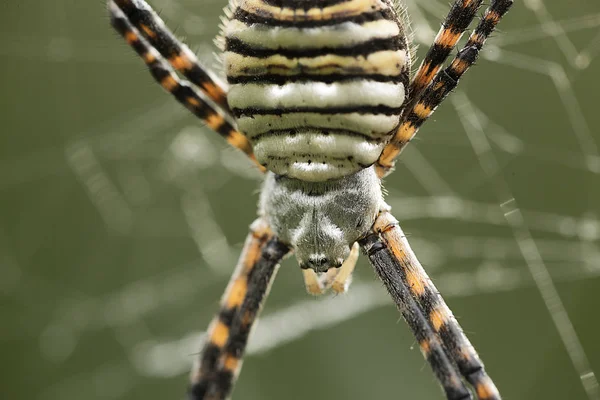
<point x="457" y="21"/>
<point x="151" y="26"/>
<point x="434" y="307"/>
<point x="221" y="358"/>
<point x="389" y="271"/>
<point x="185" y="93"/>
<point x="430" y="86"/>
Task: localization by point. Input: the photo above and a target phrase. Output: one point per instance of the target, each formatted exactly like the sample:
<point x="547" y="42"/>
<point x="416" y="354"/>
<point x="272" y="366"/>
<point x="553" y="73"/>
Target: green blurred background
<point x="121" y="219"/>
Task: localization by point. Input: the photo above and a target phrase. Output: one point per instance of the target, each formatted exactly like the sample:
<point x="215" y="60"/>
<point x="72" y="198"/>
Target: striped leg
<point x="185" y="93"/>
<point x="221" y="358"/>
<point x="429" y="88"/>
<point x="434" y="307"/>
<point x="148" y="23"/>
<point x="389" y="271"/>
<point x="457" y="21"/>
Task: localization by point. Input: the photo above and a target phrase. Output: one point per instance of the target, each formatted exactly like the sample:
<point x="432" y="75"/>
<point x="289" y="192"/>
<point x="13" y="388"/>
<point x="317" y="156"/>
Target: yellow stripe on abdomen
<point x="318" y="89"/>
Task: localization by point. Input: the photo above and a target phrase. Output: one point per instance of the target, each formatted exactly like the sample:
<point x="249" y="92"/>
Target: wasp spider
<point x="319" y="96"/>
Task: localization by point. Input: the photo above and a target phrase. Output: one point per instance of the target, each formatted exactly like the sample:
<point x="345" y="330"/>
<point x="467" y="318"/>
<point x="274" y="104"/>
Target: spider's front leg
<point x="221" y="358"/>
<point x="403" y="275"/>
<point x="388" y="270"/>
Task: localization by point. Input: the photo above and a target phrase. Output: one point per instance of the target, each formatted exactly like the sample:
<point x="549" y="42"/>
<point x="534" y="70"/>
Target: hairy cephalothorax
<point x="321" y="220"/>
<point x="320" y="98"/>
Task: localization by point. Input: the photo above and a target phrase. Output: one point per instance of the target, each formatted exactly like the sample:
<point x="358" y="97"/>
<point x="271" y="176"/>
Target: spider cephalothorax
<point x="321" y="220"/>
<point x="321" y="98"/>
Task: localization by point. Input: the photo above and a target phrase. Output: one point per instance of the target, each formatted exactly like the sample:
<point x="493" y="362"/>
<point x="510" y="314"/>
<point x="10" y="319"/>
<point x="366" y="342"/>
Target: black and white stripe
<point x="319" y="95"/>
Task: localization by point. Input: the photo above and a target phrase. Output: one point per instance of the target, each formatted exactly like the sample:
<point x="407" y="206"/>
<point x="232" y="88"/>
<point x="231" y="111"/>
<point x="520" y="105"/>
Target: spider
<point x="321" y="100"/>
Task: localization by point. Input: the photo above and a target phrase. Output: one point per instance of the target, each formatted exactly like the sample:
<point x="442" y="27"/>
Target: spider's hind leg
<point x="456" y="23"/>
<point x="186" y="93"/>
<point x="430" y="86"/>
<point x="151" y="26"/>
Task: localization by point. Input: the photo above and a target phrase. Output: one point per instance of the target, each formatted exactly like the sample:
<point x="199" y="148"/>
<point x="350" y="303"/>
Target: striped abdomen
<point x="317" y="86"/>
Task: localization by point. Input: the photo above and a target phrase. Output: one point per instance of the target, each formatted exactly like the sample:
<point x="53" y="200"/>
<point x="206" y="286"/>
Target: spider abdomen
<point x="317" y="87"/>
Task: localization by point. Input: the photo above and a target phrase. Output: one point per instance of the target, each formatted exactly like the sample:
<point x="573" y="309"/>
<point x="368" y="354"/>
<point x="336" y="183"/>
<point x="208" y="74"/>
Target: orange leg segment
<point x="228" y="333"/>
<point x="182" y="90"/>
<point x="434" y="308"/>
<point x="154" y="30"/>
<point x="430" y="86"/>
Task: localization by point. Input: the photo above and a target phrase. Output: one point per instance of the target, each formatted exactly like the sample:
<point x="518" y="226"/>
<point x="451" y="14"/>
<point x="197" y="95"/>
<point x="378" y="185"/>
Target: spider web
<point x="122" y="219"/>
